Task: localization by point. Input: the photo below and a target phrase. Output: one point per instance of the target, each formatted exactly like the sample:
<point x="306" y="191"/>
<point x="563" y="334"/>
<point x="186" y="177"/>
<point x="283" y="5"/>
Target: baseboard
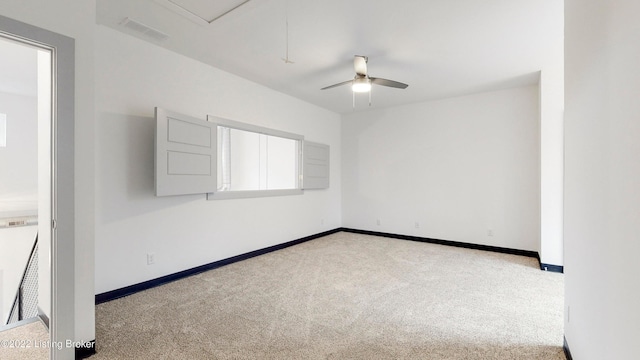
<point x="43" y="317"/>
<point x="85" y="349"/>
<point x="552" y="268"/>
<point x="132" y="289"/>
<point x="18" y="324"/>
<point x="497" y="249"/>
<point x="567" y="352"/>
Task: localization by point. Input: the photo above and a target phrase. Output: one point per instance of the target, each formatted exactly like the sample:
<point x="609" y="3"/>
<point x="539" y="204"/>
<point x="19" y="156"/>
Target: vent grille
<point x="144" y="29"/>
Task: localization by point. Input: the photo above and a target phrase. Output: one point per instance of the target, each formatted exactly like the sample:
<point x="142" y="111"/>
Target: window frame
<point x="243" y="194"/>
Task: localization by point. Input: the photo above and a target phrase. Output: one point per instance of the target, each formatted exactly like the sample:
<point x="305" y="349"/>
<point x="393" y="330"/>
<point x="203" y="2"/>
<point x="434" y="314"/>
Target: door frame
<point x="62" y="255"/>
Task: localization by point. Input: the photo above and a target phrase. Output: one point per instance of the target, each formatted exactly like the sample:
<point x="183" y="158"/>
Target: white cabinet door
<point x="315" y="166"/>
<point x="185" y="154"/>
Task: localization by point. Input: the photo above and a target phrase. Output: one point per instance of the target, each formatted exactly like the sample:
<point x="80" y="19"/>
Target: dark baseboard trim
<point x="43" y="317"/>
<point x="86" y="349"/>
<point x="552" y="268"/>
<point x="567" y="352"/>
<point x="132" y="289"/>
<point x="503" y="250"/>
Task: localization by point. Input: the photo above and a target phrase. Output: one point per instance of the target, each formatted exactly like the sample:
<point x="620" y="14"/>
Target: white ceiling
<point x="441" y="48"/>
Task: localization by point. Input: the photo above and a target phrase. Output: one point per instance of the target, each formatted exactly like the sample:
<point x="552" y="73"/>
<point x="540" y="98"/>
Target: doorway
<point x="54" y="194"/>
<point x="25" y="188"/>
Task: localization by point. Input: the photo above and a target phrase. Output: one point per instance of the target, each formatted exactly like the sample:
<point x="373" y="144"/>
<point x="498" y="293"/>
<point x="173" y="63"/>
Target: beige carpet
<point x="25" y="342"/>
<point x="346" y="296"/>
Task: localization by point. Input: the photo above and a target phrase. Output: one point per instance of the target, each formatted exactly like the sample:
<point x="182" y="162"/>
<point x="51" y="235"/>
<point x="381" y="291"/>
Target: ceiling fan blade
<point x="338" y="84"/>
<point x="360" y="65"/>
<point x="389" y="83"/>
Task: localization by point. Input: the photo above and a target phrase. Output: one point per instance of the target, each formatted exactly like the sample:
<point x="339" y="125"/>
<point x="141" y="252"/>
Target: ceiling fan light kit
<point x="361" y="85"/>
<point x="362" y="82"/>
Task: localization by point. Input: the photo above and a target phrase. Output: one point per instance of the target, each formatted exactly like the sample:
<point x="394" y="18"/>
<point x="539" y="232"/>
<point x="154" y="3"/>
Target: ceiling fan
<point x="362" y="82"/>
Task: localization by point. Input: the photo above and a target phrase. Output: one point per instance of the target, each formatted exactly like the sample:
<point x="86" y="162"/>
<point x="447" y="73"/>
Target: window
<point x="254" y="161"/>
<point x="3" y="130"/>
<point x="227" y="159"/>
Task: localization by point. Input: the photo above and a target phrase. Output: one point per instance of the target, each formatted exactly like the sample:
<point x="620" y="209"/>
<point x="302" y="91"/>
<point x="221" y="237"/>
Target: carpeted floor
<point x="27" y="341"/>
<point x="346" y="296"/>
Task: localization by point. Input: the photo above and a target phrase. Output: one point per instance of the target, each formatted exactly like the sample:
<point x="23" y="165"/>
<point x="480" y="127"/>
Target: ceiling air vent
<point x="144" y="29"/>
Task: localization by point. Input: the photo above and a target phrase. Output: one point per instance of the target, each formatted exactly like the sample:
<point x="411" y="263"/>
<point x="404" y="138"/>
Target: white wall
<point x="2" y="300"/>
<point x="552" y="143"/>
<point x="551" y="166"/>
<point x="602" y="179"/>
<point x="458" y="167"/>
<point x="75" y="19"/>
<point x="132" y="77"/>
<point x="44" y="182"/>
<point x="19" y="185"/>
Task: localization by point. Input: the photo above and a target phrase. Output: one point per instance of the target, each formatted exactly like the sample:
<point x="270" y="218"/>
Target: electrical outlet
<point x="417" y="225"/>
<point x="151" y="258"/>
<point x="378" y="222"/>
<point x="489" y="232"/>
<point x="321" y="221"/>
